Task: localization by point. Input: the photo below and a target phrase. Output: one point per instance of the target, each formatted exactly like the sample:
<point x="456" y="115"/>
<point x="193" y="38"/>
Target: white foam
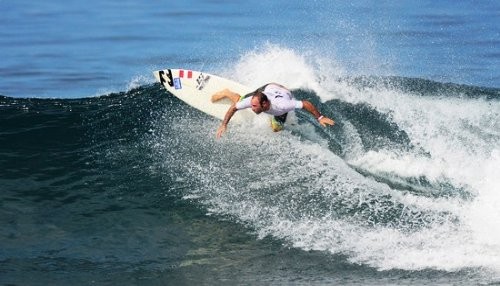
<point x="461" y="136"/>
<point x="138" y="81"/>
<point x="274" y="63"/>
<point x="483" y="214"/>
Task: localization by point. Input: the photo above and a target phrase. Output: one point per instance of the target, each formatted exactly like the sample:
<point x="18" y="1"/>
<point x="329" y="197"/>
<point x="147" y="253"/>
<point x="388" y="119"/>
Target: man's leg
<point x="226" y="93"/>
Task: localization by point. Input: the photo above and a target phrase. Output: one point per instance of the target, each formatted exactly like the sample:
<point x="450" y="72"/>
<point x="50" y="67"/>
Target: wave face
<point x="407" y="179"/>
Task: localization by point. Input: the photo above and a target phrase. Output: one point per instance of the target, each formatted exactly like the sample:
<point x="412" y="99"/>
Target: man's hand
<point x="323" y="120"/>
<point x="221" y="130"/>
<point x="230" y="112"/>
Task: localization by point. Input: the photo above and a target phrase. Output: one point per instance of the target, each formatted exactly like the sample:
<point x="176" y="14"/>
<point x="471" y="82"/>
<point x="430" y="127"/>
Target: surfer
<point x="273" y="99"/>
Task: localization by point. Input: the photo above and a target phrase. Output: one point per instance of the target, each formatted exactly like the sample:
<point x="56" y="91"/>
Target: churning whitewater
<point x="405" y="180"/>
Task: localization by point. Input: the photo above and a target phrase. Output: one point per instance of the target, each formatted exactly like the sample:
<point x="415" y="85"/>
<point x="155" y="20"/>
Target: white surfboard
<point x="196" y="89"/>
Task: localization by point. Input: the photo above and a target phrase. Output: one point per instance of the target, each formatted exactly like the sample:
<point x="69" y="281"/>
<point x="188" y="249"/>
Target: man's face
<point x="256" y="106"/>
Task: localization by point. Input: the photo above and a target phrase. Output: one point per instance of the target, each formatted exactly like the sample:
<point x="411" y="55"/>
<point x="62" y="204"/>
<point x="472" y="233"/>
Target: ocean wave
<point x="401" y="182"/>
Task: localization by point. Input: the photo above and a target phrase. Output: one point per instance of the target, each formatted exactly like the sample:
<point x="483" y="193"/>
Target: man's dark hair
<point x="261" y="96"/>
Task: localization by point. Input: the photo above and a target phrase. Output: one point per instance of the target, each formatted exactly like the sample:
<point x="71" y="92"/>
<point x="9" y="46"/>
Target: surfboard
<point x="196" y="89"/>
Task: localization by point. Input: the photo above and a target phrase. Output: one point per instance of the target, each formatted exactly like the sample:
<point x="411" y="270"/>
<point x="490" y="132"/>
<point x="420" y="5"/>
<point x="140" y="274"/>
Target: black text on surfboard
<point x="202" y="81"/>
<point x="169" y="77"/>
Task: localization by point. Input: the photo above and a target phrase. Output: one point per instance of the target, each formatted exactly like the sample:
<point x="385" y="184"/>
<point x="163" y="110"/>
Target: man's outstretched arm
<point x="230" y="112"/>
<point x="323" y="120"/>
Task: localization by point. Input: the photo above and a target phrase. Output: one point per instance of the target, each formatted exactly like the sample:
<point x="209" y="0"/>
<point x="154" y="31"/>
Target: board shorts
<point x="277" y="122"/>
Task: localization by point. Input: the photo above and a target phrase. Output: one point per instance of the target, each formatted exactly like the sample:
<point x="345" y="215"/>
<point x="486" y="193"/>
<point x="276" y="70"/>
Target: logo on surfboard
<point x="189" y="74"/>
<point x="177" y="83"/>
<point x="169" y="78"/>
<point x="202" y="81"/>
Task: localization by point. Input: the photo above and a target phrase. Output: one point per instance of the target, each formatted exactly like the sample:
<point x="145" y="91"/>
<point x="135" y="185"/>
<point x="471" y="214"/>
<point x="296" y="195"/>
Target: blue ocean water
<point x="87" y="48"/>
<point x="107" y="179"/>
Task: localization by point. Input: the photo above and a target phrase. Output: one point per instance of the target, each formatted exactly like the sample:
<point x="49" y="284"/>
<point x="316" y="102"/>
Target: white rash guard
<point x="281" y="100"/>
